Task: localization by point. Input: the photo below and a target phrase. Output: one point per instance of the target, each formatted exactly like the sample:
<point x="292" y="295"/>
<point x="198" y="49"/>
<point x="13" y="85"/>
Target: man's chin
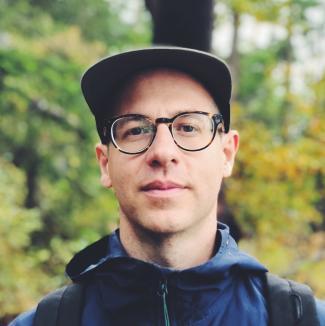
<point x="162" y="216"/>
<point x="165" y="224"/>
<point x="164" y="205"/>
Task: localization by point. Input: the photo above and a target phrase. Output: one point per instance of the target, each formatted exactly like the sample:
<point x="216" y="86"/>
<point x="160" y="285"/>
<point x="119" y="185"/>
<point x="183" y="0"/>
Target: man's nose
<point x="163" y="150"/>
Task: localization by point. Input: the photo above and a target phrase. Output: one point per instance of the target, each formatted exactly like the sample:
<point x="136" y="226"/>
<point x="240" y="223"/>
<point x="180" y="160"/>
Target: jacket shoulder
<point x="320" y="307"/>
<point x="24" y="319"/>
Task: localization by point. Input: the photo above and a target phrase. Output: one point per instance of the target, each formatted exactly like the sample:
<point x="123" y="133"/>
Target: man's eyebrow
<point x="181" y="111"/>
<point x="192" y="109"/>
<point x="173" y="113"/>
<point x="176" y="112"/>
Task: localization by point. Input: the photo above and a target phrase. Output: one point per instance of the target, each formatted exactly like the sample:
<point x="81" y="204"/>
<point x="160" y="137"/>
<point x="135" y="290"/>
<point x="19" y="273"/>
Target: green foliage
<point x="51" y="202"/>
<point x="98" y="20"/>
<point x="17" y="224"/>
<point x="277" y="192"/>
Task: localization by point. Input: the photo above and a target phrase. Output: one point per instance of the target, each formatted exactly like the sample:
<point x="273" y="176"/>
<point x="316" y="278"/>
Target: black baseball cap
<point x="102" y="81"/>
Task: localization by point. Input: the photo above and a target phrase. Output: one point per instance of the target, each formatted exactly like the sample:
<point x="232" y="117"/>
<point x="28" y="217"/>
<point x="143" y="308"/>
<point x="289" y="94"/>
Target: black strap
<point x="61" y="307"/>
<point x="290" y="303"/>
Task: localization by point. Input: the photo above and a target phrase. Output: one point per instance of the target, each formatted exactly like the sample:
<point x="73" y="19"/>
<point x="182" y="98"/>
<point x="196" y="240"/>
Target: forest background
<point x="51" y="203"/>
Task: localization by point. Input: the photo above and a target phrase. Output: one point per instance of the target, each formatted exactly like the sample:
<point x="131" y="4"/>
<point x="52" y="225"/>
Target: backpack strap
<point x="61" y="308"/>
<point x="290" y="303"/>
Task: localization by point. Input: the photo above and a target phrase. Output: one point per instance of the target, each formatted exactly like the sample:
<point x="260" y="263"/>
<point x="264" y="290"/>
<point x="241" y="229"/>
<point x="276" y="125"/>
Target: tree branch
<point x="57" y="114"/>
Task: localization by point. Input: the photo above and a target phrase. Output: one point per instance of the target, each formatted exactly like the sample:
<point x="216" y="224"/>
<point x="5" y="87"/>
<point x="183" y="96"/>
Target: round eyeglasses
<point x="191" y="131"/>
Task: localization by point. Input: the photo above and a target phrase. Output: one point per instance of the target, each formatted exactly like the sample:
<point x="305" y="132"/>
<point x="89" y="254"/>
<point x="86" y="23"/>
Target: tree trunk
<point x="187" y="23"/>
<point x="234" y="55"/>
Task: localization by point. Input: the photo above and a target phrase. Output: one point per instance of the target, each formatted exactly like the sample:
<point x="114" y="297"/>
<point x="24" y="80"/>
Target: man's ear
<point x="102" y="158"/>
<point x="230" y="144"/>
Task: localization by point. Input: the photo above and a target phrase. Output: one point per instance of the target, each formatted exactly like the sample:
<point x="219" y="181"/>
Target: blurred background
<point x="51" y="203"/>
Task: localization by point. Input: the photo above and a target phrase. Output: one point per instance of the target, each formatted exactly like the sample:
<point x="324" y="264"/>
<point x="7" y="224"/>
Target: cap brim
<point x="101" y="82"/>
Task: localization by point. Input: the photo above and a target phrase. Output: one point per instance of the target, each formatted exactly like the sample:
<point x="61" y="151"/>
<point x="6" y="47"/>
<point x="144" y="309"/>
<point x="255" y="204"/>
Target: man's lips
<point x="162" y="186"/>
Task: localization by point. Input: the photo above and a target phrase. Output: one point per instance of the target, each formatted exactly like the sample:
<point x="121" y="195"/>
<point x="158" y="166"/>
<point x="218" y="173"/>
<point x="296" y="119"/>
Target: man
<point x="163" y="117"/>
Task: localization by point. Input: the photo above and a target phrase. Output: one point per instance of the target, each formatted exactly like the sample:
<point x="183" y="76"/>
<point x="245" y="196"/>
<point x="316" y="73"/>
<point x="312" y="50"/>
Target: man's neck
<point x="179" y="251"/>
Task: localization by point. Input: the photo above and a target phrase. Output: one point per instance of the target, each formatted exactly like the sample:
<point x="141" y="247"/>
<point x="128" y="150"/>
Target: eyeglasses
<point x="191" y="131"/>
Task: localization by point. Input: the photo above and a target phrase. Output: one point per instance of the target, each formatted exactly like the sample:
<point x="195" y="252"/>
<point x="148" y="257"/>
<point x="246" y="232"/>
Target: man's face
<point x="167" y="189"/>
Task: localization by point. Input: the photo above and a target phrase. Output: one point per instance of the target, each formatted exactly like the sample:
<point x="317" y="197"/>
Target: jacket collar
<point x="108" y="251"/>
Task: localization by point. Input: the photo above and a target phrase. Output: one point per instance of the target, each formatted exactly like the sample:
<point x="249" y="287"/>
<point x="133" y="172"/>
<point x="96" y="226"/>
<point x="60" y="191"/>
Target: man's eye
<point x="187" y="128"/>
<point x="134" y="131"/>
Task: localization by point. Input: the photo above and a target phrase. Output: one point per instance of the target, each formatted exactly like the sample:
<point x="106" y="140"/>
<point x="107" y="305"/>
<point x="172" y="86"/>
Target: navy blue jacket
<point x="226" y="290"/>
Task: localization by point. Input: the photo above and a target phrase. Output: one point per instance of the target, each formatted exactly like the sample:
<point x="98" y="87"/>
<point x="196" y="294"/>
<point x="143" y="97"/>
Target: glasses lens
<point x="132" y="134"/>
<point x="193" y="131"/>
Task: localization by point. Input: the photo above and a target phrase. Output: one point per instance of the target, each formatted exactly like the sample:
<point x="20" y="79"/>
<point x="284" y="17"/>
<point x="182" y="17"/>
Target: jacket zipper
<point x="163" y="292"/>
